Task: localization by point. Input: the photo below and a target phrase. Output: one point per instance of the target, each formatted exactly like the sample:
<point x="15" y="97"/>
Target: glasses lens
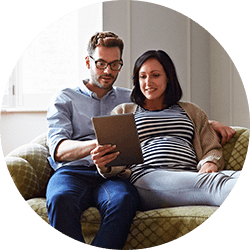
<point x="115" y="65"/>
<point x="101" y="65"/>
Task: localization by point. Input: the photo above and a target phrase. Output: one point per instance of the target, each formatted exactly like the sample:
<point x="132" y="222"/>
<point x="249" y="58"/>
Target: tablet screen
<point x="119" y="130"/>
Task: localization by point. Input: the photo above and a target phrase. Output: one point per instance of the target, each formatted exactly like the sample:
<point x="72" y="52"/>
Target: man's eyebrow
<point x="117" y="60"/>
<point x="100" y="59"/>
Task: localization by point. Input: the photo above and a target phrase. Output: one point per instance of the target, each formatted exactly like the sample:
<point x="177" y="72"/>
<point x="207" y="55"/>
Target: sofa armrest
<point x="235" y="150"/>
<point x="23" y="175"/>
<point x="29" y="169"/>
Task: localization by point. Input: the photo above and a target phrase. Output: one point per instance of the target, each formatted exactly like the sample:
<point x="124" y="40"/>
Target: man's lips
<point x="107" y="78"/>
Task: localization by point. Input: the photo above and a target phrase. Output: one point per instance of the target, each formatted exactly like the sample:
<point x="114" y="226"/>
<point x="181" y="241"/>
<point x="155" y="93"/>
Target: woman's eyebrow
<point x="155" y="70"/>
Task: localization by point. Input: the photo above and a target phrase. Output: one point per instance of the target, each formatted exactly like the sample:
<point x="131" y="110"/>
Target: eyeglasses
<point x="115" y="65"/>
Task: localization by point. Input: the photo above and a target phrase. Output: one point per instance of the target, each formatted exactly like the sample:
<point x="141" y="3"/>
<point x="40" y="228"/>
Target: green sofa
<point x="30" y="171"/>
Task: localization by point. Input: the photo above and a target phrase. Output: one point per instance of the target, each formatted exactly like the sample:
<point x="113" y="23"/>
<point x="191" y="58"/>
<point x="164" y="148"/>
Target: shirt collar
<point x="92" y="94"/>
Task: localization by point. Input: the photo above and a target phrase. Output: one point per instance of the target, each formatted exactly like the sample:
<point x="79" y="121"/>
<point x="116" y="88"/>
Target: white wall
<point x="207" y="75"/>
<point x="20" y="128"/>
<point x="228" y="97"/>
<point x="152" y="26"/>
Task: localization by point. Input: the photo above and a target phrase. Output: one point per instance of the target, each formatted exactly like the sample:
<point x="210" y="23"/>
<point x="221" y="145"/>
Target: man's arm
<point x="225" y="133"/>
<point x="61" y="129"/>
<point x="69" y="150"/>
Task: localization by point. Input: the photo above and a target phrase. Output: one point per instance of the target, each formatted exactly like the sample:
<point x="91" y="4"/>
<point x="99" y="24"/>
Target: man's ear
<point x="87" y="62"/>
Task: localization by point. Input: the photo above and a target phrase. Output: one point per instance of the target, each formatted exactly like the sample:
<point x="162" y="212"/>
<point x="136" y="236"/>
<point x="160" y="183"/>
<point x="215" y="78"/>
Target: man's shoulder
<point x="122" y="95"/>
<point x="67" y="91"/>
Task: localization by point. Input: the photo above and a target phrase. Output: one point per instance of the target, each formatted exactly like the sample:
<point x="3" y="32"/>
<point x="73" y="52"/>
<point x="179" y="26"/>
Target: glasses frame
<point x="107" y="64"/>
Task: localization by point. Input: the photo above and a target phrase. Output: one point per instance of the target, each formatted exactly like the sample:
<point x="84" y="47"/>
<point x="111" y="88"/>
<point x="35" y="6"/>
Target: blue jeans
<point x="71" y="190"/>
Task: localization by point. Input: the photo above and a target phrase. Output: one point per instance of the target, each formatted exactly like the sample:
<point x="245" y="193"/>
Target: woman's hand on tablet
<point x="101" y="158"/>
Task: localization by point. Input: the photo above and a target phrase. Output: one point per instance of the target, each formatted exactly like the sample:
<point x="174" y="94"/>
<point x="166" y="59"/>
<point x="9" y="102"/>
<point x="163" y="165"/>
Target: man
<point x="76" y="184"/>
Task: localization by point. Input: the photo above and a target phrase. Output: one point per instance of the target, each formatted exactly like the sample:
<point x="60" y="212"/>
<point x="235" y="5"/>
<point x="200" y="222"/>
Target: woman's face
<point x="153" y="80"/>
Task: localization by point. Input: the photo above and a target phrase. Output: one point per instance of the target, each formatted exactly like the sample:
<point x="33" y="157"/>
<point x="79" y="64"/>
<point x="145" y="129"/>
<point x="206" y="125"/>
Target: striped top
<point x="166" y="140"/>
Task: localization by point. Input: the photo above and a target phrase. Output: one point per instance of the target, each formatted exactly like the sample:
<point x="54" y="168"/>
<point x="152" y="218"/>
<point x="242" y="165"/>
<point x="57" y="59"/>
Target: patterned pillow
<point x="234" y="152"/>
<point x="34" y="156"/>
<point x="238" y="155"/>
<point x="24" y="176"/>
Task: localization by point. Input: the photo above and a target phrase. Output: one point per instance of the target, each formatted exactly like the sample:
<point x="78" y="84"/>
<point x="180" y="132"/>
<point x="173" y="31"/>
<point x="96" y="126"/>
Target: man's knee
<point x="126" y="196"/>
<point x="60" y="201"/>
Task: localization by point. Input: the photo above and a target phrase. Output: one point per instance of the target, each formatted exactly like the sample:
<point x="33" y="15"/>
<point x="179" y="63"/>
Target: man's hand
<point x="209" y="167"/>
<point x="225" y="133"/>
<point x="100" y="158"/>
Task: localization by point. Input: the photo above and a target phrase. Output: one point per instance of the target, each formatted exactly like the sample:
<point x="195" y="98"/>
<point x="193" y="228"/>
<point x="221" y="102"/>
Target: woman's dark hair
<point x="173" y="91"/>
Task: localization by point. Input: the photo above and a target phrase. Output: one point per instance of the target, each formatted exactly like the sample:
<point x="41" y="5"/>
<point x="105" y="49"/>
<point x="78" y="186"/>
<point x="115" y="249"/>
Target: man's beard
<point x="95" y="80"/>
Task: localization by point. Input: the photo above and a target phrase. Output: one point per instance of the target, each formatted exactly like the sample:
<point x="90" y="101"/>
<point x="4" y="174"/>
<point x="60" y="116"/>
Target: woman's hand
<point x="209" y="167"/>
<point x="100" y="158"/>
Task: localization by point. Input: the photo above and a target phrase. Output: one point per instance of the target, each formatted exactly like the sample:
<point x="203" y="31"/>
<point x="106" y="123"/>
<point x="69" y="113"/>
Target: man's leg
<point x="117" y="200"/>
<point x="68" y="195"/>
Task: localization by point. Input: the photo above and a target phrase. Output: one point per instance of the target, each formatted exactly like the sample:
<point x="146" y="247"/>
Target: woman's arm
<point x="205" y="141"/>
<point x="224" y="133"/>
<point x="211" y="159"/>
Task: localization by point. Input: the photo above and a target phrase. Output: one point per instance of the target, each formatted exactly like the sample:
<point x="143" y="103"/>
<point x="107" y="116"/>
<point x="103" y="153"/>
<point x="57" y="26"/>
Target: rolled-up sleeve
<point x="59" y="122"/>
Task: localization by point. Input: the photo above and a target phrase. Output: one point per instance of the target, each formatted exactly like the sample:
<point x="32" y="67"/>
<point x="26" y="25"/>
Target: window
<point x="52" y="61"/>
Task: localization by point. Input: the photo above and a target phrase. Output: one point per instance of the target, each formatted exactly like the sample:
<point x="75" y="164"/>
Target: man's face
<point x="103" y="78"/>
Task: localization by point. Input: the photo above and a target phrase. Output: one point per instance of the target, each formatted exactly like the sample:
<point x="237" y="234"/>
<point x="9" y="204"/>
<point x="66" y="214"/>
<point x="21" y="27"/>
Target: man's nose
<point x="108" y="69"/>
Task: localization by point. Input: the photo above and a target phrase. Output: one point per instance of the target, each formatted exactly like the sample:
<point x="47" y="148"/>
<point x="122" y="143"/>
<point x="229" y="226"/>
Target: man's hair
<point x="106" y="39"/>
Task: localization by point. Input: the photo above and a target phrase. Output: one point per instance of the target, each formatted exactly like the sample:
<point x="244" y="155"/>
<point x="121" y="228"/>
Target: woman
<point x="182" y="154"/>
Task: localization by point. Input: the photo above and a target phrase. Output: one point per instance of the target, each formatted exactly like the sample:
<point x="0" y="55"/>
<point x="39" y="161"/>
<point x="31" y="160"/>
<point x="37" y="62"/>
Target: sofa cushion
<point x="150" y="228"/>
<point x="39" y="206"/>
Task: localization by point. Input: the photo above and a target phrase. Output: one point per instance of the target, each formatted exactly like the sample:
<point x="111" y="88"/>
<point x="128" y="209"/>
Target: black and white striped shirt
<point x="166" y="140"/>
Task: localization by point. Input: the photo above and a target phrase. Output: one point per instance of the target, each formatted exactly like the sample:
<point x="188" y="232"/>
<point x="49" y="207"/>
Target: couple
<point x="81" y="179"/>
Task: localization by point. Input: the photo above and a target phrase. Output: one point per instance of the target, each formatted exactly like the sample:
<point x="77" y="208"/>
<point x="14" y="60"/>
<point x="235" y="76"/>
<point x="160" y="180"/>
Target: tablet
<point x="119" y="130"/>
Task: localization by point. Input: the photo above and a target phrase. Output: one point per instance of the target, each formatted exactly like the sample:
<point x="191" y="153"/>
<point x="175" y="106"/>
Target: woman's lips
<point x="150" y="90"/>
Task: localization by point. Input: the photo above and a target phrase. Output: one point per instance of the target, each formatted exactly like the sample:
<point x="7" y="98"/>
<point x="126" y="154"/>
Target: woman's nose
<point x="148" y="81"/>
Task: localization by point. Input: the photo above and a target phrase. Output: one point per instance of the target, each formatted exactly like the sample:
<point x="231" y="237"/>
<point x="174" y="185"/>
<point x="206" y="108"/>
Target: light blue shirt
<point x="69" y="117"/>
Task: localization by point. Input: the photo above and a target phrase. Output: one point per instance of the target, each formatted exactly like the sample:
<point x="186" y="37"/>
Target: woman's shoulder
<point x="125" y="108"/>
<point x="190" y="106"/>
<point x="187" y="104"/>
<point x="193" y="110"/>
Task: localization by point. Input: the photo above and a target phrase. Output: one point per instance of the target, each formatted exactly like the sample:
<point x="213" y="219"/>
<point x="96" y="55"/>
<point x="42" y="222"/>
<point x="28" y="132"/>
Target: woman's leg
<point x="163" y="188"/>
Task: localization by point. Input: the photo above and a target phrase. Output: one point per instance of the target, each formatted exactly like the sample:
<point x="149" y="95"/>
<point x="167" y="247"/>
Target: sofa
<point x="30" y="171"/>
